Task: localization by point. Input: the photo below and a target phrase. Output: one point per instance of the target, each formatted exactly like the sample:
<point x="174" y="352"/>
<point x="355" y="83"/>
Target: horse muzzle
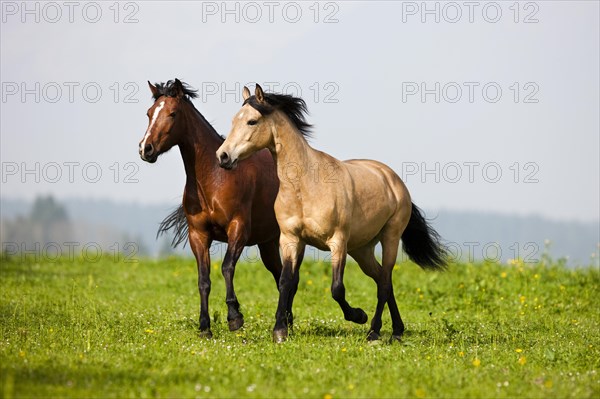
<point x="148" y="153"/>
<point x="226" y="162"/>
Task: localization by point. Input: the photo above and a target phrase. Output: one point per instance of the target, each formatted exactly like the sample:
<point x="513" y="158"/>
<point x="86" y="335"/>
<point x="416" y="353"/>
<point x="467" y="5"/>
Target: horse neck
<point x="290" y="150"/>
<point x="198" y="147"/>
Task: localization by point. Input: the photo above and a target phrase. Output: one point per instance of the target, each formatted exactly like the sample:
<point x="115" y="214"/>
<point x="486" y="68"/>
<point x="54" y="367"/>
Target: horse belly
<point x="316" y="233"/>
<point x="364" y="228"/>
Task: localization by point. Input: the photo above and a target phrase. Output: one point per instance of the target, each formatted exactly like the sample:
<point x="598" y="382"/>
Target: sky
<point x="484" y="106"/>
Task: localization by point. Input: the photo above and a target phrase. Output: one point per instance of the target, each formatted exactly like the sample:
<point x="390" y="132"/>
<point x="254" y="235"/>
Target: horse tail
<point x="422" y="243"/>
<point x="177" y="221"/>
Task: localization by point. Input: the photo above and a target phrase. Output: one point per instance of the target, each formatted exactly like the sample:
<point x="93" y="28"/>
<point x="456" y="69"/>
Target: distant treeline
<point x="131" y="227"/>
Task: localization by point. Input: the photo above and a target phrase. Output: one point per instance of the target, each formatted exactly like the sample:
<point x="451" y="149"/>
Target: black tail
<point x="422" y="243"/>
<point x="176" y="220"/>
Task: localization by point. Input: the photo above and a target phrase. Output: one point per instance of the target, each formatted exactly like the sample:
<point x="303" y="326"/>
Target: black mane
<point x="168" y="89"/>
<point x="293" y="107"/>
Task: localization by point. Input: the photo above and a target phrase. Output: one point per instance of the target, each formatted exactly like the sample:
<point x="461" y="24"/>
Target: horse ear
<point x="246" y="93"/>
<point x="258" y="92"/>
<point x="178" y="88"/>
<point x="153" y="89"/>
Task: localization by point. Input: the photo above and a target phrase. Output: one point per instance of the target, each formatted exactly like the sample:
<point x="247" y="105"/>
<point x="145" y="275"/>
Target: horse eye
<point x="172" y="114"/>
<point x="252" y="122"/>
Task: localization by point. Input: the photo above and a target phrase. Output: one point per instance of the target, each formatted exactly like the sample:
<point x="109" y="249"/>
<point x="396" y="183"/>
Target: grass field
<point x="117" y="329"/>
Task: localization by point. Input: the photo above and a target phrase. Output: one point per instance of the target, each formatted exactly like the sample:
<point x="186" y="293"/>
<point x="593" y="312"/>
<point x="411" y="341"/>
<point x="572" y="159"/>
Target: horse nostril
<point x="224" y="158"/>
<point x="148" y="149"/>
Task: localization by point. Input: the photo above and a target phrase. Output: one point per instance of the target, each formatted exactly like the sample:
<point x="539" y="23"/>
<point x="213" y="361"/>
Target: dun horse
<point x="235" y="207"/>
<point x="362" y="203"/>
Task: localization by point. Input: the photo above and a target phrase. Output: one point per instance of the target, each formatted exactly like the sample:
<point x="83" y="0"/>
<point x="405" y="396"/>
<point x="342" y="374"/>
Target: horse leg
<point x="200" y="244"/>
<point x="338" y="291"/>
<point x="293" y="252"/>
<point x="397" y="324"/>
<point x="237" y="238"/>
<point x="389" y="243"/>
<point x="269" y="253"/>
<point x="294" y="289"/>
<point x="365" y="257"/>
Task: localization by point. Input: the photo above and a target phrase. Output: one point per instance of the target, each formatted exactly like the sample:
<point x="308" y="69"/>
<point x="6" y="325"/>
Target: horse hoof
<point x="357" y="316"/>
<point x="280" y="336"/>
<point x="362" y="317"/>
<point x="373" y="336"/>
<point x="395" y="338"/>
<point x="236" y="324"/>
<point x="207" y="334"/>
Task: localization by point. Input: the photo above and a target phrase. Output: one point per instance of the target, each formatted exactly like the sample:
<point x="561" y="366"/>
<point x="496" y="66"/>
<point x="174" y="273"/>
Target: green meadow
<point x="114" y="328"/>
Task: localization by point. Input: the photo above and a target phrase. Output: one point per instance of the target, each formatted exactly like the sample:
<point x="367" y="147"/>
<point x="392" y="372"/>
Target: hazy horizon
<point x="469" y="235"/>
<point x="176" y="201"/>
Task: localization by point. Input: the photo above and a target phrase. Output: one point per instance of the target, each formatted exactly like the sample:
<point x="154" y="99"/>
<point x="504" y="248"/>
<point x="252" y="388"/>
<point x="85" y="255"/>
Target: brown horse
<point x="235" y="207"/>
<point x="358" y="204"/>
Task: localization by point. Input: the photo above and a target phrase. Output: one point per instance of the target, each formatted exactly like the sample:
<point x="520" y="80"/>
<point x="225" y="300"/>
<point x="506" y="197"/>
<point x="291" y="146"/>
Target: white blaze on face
<point x="154" y="118"/>
<point x="241" y="115"/>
